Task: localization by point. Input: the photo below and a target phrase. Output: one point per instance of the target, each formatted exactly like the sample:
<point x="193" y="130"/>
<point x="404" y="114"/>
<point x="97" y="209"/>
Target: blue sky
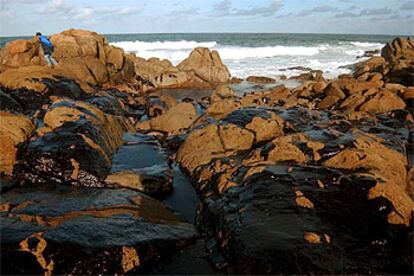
<point x="25" y="17"/>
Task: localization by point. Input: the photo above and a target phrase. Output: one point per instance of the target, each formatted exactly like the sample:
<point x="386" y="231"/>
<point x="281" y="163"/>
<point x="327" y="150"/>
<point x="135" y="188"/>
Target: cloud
<point x="319" y="9"/>
<point x="222" y="8"/>
<point x="407" y="6"/>
<point x="266" y="10"/>
<point x="63" y="10"/>
<point x="345" y="14"/>
<point x="185" y="12"/>
<point x="374" y="12"/>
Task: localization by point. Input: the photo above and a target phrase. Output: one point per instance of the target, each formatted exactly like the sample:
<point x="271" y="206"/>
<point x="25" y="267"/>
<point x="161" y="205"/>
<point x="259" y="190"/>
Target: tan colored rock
<point x="235" y="138"/>
<point x="266" y="129"/>
<point x="220" y="109"/>
<point x="98" y="69"/>
<point x="383" y="102"/>
<point x="14" y="129"/>
<point x="213" y="141"/>
<point x="115" y="56"/>
<point x="76" y="68"/>
<point x="260" y="79"/>
<point x="222" y="92"/>
<point x="20" y="53"/>
<point x="328" y="102"/>
<point x="65" y="47"/>
<point x="174" y="121"/>
<point x="200" y="147"/>
<point x="207" y="65"/>
<point x="399" y="48"/>
<point x="385" y="165"/>
<point x="269" y="97"/>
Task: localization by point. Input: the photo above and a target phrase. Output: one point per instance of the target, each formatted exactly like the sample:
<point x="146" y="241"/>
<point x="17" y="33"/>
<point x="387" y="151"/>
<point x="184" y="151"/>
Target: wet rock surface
<point x="141" y="164"/>
<point x="292" y="197"/>
<point x="64" y="230"/>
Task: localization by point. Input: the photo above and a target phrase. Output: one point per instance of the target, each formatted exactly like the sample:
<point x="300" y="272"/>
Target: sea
<point x="261" y="54"/>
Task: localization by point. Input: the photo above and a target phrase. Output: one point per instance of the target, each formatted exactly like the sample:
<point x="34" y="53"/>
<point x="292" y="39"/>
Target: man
<point x="47" y="47"/>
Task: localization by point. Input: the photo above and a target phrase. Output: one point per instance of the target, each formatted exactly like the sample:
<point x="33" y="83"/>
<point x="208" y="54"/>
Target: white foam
<point x="266" y="61"/>
<point x="371" y="45"/>
<point x="135" y="46"/>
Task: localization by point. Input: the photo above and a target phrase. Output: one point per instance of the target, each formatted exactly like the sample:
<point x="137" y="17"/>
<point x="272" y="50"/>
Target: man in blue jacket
<point x="47" y="47"/>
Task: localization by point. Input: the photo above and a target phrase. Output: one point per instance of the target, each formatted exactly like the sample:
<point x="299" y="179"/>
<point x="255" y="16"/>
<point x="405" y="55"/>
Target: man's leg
<point x="52" y="60"/>
<point x="47" y="58"/>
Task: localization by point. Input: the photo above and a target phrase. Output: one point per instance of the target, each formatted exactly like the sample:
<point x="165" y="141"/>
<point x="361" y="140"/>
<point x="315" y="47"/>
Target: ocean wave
<point x="135" y="46"/>
<point x="228" y="52"/>
<point x="243" y="61"/>
<point x="180" y="49"/>
<point x="372" y="45"/>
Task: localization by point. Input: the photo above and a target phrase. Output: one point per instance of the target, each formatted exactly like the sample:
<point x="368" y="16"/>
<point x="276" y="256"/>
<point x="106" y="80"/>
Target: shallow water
<point x="183" y="199"/>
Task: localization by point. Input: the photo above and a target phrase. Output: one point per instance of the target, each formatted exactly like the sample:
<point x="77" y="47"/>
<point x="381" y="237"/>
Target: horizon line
<point x="148" y="33"/>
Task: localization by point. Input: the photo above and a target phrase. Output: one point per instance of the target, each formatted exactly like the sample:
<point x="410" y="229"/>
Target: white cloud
<point x="63" y="10"/>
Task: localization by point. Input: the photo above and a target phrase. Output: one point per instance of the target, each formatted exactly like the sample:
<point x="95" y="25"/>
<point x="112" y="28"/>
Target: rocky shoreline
<point x="318" y="178"/>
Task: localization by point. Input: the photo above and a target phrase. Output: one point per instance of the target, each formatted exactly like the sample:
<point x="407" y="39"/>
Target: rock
<point x="220" y="109"/>
<point x="222" y="92"/>
<point x="75" y="146"/>
<point x="370" y="53"/>
<point x="399" y="48"/>
<point x="202" y="145"/>
<point x="261" y="80"/>
<point x="8" y="103"/>
<point x="333" y="89"/>
<point x="95" y="231"/>
<point x="383" y="102"/>
<point x="32" y="85"/>
<point x="76" y="68"/>
<point x="276" y="202"/>
<point x="207" y="65"/>
<point x="328" y="102"/>
<point x="270" y="97"/>
<point x="14" y="129"/>
<point x="65" y="46"/>
<point x="314" y="75"/>
<point x="373" y="101"/>
<point x="174" y="121"/>
<point x="98" y="69"/>
<point x="115" y="57"/>
<point x="20" y="53"/>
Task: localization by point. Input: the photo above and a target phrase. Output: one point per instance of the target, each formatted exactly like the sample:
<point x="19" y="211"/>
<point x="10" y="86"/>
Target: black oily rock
<point x="66" y="230"/>
<point x="8" y="103"/>
<point x="60" y="87"/>
<point x="49" y="158"/>
<point x="75" y="148"/>
<point x="262" y="229"/>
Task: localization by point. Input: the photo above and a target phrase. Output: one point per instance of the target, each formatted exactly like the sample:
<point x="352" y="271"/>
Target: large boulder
<point x="20" y="53"/>
<point x="32" y="86"/>
<point x="317" y="185"/>
<point x="81" y="54"/>
<point x="68" y="230"/>
<point x="174" y="121"/>
<point x="207" y="65"/>
<point x="399" y="48"/>
<point x="14" y="129"/>
<point x="74" y="147"/>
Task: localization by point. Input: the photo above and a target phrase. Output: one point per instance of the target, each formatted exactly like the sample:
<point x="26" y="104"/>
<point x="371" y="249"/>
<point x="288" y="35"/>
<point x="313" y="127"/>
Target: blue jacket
<point x="45" y="41"/>
<point x="46" y="45"/>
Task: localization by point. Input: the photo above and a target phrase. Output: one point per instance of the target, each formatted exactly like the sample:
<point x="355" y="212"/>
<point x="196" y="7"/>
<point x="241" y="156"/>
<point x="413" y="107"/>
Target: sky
<point x="26" y="17"/>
